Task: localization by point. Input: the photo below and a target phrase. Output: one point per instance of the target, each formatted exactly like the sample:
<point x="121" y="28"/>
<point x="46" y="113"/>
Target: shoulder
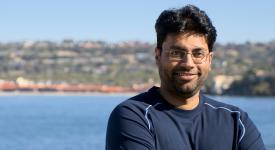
<point x="128" y="126"/>
<point x="214" y="107"/>
<point x="136" y="105"/>
<point x="217" y="105"/>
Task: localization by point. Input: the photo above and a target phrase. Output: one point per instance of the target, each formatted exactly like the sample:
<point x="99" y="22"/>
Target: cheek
<point x="162" y="65"/>
<point x="205" y="69"/>
<point x="167" y="69"/>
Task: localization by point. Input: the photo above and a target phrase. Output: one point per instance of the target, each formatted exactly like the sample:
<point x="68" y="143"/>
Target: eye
<point x="198" y="54"/>
<point x="175" y="53"/>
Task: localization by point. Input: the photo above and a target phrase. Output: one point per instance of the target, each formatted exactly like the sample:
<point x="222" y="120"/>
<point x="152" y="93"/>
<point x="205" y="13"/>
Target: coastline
<point x="13" y="88"/>
<point x="20" y="93"/>
<point x="96" y="93"/>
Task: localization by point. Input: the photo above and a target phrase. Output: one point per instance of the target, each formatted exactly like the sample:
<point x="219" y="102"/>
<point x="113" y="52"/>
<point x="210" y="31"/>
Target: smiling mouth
<point x="184" y="75"/>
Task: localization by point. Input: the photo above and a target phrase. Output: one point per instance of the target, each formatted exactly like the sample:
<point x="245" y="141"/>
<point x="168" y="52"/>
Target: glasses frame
<point x="185" y="53"/>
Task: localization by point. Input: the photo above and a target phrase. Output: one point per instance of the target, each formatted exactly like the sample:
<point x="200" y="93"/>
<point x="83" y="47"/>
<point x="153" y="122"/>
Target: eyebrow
<point x="185" y="49"/>
<point x="178" y="47"/>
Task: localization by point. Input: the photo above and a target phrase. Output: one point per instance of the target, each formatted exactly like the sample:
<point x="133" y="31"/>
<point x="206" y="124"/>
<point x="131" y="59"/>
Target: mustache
<point x="184" y="70"/>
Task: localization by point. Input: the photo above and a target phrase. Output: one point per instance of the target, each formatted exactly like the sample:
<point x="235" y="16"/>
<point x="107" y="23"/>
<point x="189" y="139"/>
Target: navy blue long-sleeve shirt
<point x="148" y="122"/>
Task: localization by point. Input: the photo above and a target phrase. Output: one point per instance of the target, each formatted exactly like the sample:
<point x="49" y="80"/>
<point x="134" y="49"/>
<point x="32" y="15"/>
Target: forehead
<point x="185" y="40"/>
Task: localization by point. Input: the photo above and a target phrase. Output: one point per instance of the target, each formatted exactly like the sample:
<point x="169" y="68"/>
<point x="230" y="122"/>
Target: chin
<point x="185" y="91"/>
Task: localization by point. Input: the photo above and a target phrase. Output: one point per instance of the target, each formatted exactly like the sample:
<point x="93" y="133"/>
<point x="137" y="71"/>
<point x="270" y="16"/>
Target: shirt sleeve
<point x="128" y="130"/>
<point x="251" y="139"/>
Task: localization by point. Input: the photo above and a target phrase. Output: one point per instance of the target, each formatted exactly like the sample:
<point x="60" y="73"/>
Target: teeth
<point x="182" y="74"/>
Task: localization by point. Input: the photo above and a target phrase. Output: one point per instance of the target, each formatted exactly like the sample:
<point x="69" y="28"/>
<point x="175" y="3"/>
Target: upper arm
<point x="252" y="139"/>
<point x="128" y="129"/>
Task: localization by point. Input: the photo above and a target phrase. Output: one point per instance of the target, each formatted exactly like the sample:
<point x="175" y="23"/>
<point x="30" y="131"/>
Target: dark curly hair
<point x="188" y="19"/>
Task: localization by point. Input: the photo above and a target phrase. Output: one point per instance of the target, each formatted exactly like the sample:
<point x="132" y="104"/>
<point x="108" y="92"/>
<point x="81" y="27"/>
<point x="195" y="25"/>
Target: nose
<point x="187" y="61"/>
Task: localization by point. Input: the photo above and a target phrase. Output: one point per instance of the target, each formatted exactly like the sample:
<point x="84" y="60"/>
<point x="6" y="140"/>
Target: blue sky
<point x="124" y="20"/>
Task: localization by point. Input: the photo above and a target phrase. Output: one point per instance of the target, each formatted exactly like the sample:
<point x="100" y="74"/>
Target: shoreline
<point x="128" y="94"/>
<point x="19" y="93"/>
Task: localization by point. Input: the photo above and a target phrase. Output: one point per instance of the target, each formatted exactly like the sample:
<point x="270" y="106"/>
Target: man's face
<point x="183" y="77"/>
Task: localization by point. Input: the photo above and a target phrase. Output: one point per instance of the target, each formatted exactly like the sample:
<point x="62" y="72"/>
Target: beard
<point x="183" y="88"/>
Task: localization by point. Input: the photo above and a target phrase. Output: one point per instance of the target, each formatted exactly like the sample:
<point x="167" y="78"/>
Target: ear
<point x="211" y="54"/>
<point x="157" y="55"/>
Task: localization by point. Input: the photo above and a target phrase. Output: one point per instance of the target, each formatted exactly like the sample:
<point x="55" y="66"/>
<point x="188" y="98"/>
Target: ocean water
<point x="73" y="122"/>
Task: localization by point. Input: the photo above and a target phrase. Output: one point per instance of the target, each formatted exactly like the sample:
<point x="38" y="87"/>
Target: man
<point x="176" y="116"/>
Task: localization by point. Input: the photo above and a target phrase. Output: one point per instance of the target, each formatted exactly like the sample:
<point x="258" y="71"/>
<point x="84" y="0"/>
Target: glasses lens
<point x="198" y="56"/>
<point x="178" y="55"/>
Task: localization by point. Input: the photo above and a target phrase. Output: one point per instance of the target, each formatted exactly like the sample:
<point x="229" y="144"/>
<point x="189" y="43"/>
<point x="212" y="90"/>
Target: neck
<point x="184" y="103"/>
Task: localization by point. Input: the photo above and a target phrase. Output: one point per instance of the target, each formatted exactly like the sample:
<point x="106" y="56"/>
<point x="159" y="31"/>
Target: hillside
<point x="238" y="69"/>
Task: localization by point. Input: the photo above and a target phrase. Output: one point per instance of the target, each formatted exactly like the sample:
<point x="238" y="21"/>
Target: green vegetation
<point x="238" y="69"/>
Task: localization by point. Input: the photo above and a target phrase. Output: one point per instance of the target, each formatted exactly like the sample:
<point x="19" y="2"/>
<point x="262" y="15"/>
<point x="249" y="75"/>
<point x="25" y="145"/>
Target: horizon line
<point x="121" y="41"/>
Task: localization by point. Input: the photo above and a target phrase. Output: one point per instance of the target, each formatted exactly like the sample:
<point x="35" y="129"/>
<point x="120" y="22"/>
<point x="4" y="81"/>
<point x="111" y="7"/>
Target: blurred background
<point x="64" y="65"/>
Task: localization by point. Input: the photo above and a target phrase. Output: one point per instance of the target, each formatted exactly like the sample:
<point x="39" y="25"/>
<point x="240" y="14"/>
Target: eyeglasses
<point x="179" y="55"/>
